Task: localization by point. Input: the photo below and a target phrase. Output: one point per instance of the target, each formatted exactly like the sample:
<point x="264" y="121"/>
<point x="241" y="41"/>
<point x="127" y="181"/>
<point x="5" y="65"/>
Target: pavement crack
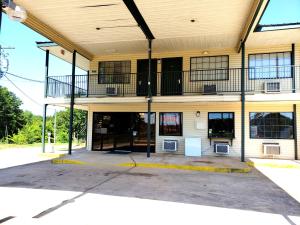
<point x="72" y="200"/>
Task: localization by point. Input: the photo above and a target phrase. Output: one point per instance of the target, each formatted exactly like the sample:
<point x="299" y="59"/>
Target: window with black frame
<point x="275" y="125"/>
<point x="209" y="68"/>
<point x="170" y="124"/>
<point x="114" y="72"/>
<point x="221" y="125"/>
<point x="270" y="65"/>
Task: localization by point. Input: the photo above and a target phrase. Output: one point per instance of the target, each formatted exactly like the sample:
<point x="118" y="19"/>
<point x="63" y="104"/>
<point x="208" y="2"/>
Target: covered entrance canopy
<point x="94" y="28"/>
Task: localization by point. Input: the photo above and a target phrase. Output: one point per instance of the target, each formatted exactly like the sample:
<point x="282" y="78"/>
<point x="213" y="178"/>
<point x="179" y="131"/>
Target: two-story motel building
<point x="204" y="68"/>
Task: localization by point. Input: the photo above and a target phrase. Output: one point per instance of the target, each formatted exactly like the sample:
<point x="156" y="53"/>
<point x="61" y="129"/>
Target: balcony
<point x="284" y="79"/>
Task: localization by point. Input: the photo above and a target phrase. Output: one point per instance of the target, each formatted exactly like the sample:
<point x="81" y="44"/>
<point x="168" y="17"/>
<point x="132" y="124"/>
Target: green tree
<point x="11" y="116"/>
<point x="31" y="132"/>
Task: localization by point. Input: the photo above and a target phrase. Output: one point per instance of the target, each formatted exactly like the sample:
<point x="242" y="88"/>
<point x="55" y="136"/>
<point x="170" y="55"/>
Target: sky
<point x="28" y="61"/>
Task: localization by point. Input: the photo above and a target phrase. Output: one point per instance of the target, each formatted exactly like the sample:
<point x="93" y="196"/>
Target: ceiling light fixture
<point x="193" y="20"/>
<point x="205" y="53"/>
<point x="14" y="12"/>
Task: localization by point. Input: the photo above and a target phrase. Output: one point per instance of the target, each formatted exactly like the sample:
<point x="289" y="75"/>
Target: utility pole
<point x="6" y="133"/>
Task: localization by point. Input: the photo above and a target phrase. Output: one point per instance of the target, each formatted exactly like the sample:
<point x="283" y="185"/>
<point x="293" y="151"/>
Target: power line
<point x="24" y="78"/>
<point x="22" y="91"/>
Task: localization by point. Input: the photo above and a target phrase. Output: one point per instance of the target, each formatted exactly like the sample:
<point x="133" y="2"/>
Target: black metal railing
<point x="194" y="82"/>
<point x="60" y="86"/>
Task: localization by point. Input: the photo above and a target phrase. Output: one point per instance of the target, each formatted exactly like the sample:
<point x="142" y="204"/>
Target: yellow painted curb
<point x="69" y="161"/>
<point x="52" y="155"/>
<point x="274" y="165"/>
<point x="188" y="167"/>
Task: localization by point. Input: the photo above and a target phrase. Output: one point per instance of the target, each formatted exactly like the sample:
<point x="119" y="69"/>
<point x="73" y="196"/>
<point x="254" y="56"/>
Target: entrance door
<point x="122" y="131"/>
<point x="142" y="77"/>
<point x="140" y="132"/>
<point x="171" y="77"/>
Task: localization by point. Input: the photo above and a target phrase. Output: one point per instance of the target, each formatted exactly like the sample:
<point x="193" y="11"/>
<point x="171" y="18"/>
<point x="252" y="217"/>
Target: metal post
<point x="88" y="84"/>
<point x="149" y="98"/>
<point x="72" y="103"/>
<point x="54" y="127"/>
<point x="46" y="74"/>
<point x="293" y="68"/>
<point x="295" y="132"/>
<point x="0" y="16"/>
<point x="243" y="104"/>
<point x="45" y="95"/>
<point x="44" y="127"/>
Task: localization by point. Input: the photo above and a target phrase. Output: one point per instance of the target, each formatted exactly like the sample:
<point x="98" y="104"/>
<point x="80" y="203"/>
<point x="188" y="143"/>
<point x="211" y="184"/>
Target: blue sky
<point x="28" y="61"/>
<point x="282" y="11"/>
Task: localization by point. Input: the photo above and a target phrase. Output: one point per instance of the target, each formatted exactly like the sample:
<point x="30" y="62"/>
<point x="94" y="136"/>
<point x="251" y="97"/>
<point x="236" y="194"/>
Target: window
<point x="170" y="124"/>
<point x="209" y="68"/>
<point x="114" y="72"/>
<point x="221" y="125"/>
<point x="270" y="65"/>
<point x="272" y="125"/>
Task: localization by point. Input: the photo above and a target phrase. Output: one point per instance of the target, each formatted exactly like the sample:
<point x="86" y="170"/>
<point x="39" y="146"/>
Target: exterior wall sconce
<point x="158" y="61"/>
<point x="14" y="12"/>
<point x="198" y="114"/>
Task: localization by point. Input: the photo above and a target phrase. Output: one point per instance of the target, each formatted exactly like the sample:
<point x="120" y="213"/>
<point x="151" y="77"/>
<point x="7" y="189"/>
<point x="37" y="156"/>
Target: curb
<point x="273" y="165"/>
<point x="188" y="167"/>
<point x="52" y="155"/>
<point x="69" y="161"/>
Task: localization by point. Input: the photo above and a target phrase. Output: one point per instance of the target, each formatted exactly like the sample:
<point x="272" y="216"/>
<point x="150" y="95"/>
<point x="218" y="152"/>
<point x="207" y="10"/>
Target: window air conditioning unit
<point x="210" y="89"/>
<point x="222" y="148"/>
<point x="111" y="91"/>
<point x="272" y="87"/>
<point x="170" y="145"/>
<point x="271" y="149"/>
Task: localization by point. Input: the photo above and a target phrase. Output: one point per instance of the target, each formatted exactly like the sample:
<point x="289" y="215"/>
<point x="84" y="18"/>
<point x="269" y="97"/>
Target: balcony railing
<point x="197" y="82"/>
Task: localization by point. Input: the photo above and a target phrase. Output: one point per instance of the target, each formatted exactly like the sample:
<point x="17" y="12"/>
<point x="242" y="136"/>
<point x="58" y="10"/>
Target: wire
<point x="24" y="78"/>
<point x="22" y="91"/>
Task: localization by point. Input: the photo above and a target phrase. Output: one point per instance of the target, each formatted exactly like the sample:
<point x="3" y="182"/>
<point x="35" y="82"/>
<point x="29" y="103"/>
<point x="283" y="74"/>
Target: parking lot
<point x="46" y="193"/>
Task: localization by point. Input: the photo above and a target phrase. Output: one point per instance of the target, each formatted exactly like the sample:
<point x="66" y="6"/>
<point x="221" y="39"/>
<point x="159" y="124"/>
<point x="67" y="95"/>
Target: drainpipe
<point x="295" y="132"/>
<point x="149" y="99"/>
<point x="243" y="104"/>
<point x="45" y="96"/>
<point x="72" y="103"/>
<point x="293" y="68"/>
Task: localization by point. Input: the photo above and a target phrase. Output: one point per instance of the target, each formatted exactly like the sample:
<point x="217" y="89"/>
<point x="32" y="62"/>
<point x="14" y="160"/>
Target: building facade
<point x="176" y="70"/>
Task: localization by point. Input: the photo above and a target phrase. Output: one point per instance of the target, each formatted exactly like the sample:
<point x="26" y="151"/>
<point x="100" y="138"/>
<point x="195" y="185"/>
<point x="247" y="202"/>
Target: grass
<point x="8" y="146"/>
<point x="57" y="146"/>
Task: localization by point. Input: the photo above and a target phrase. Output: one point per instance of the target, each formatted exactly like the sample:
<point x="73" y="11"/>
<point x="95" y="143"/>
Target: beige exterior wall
<point x="254" y="147"/>
<point x="234" y="62"/>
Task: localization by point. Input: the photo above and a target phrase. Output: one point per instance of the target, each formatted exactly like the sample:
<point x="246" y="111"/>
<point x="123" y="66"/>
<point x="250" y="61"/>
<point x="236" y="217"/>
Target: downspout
<point x="149" y="98"/>
<point x="293" y="68"/>
<point x="45" y="96"/>
<point x="243" y="104"/>
<point x="72" y="103"/>
<point x="295" y="132"/>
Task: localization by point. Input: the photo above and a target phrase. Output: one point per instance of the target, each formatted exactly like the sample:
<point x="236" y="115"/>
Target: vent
<point x="271" y="149"/>
<point x="111" y="91"/>
<point x="170" y="145"/>
<point x="272" y="87"/>
<point x="222" y="148"/>
<point x="210" y="89"/>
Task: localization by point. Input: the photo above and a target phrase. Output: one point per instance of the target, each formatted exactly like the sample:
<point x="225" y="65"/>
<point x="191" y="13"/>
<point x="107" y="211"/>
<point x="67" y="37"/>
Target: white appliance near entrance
<point x="192" y="146"/>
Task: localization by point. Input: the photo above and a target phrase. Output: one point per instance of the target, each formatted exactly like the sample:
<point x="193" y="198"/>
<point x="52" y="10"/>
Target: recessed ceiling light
<point x="98" y="28"/>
